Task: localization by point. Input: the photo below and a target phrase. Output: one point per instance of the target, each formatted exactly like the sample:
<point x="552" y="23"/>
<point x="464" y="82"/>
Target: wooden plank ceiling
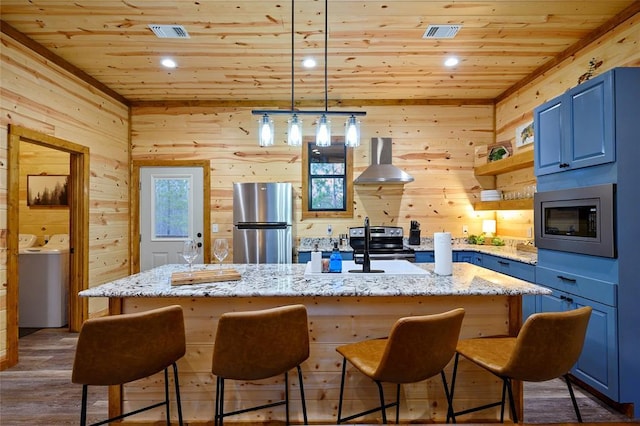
<point x="241" y="49"/>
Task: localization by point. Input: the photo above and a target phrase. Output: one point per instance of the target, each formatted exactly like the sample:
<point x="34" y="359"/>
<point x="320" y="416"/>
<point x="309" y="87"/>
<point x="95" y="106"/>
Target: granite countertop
<point x="265" y="280"/>
<point x="508" y="251"/>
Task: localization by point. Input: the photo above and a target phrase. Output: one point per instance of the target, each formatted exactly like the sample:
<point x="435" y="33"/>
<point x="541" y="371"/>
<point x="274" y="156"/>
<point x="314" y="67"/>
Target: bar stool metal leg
<point x="304" y="403"/>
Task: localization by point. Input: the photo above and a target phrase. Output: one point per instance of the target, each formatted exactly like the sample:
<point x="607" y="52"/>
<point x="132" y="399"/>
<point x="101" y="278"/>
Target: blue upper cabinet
<point x="577" y="128"/>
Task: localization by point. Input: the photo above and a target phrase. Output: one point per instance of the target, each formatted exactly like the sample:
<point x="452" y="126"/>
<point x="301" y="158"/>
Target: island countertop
<point x="277" y="280"/>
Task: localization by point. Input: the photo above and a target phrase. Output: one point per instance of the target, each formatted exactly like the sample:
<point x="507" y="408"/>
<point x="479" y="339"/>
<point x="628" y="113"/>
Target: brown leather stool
<point x="547" y="346"/>
<point x="258" y="345"/>
<point x="119" y="349"/>
<point x="417" y="348"/>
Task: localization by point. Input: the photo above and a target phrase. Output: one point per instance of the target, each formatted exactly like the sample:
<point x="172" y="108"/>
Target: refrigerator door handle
<point x="275" y="225"/>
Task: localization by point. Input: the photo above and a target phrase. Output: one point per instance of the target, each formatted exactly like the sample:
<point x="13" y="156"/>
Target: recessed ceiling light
<point x="451" y="61"/>
<point x="308" y="62"/>
<point x="169" y="63"/>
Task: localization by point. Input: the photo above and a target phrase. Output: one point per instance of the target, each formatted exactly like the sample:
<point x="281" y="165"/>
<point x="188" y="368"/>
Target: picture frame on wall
<point x="47" y="190"/>
<point x="524" y="134"/>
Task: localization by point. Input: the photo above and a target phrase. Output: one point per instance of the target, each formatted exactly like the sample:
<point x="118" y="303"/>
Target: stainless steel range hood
<point x="381" y="171"/>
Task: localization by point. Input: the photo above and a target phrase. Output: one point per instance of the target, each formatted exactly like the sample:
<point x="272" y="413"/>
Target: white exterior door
<point x="171" y="210"/>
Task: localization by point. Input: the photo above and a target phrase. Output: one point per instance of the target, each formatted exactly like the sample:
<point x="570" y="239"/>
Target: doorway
<point x="78" y="189"/>
<point x="151" y="244"/>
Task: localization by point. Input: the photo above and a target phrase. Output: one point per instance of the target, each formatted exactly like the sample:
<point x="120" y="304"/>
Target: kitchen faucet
<point x="366" y="262"/>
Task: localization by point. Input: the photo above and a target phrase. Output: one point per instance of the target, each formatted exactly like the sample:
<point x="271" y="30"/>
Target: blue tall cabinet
<point x="590" y="135"/>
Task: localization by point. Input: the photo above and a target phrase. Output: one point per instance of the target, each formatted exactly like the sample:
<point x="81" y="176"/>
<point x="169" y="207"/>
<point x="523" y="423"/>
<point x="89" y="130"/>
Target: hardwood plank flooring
<point x="38" y="391"/>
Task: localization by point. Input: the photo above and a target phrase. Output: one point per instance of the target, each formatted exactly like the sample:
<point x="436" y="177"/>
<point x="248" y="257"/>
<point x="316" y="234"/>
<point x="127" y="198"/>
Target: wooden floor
<point x="38" y="391"/>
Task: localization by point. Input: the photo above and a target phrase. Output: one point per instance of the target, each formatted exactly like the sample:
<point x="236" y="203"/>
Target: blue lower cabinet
<point x="514" y="268"/>
<point x="598" y="363"/>
<point x="529" y="306"/>
<point x="425" y="257"/>
<point x="472" y="257"/>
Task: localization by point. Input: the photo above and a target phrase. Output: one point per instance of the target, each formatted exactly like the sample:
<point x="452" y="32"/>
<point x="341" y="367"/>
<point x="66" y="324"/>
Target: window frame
<point x="348" y="176"/>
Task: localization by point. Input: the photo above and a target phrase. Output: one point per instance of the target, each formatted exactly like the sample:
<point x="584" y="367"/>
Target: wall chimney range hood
<point x="381" y="171"/>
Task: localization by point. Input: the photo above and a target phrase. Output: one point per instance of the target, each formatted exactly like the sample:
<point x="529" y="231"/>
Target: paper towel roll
<point x="442" y="253"/>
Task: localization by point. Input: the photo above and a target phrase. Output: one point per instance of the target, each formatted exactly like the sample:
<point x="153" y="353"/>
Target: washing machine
<point x="44" y="284"/>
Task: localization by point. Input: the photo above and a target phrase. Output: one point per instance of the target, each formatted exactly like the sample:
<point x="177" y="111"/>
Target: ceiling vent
<point x="169" y="31"/>
<point x="441" y="31"/>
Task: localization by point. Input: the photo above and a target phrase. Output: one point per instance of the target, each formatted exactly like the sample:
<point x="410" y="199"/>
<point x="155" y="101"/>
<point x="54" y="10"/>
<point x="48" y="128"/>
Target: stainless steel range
<point x="386" y="242"/>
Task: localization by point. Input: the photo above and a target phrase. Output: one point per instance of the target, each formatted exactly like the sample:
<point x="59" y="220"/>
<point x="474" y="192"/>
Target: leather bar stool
<point x="417" y="348"/>
<point x="258" y="345"/>
<point x="119" y="349"/>
<point x="546" y="348"/>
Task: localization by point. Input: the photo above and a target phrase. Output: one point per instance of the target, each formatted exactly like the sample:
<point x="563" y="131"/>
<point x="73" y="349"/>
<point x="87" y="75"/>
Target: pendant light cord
<point x="326" y="38"/>
<point x="293" y="9"/>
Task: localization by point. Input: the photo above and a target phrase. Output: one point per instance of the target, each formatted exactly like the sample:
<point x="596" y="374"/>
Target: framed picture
<point x="524" y="134"/>
<point x="47" y="190"/>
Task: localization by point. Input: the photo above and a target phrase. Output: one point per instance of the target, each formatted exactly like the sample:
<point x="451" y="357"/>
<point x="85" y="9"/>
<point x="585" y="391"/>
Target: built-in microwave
<point x="577" y="220"/>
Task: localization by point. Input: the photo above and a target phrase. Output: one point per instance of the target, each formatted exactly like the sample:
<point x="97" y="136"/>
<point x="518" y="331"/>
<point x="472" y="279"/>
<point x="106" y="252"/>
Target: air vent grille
<point x="169" y="31"/>
<point x="441" y="31"/>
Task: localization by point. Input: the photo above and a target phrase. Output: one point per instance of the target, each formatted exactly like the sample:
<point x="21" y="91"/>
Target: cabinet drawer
<point x="596" y="290"/>
<point x="510" y="267"/>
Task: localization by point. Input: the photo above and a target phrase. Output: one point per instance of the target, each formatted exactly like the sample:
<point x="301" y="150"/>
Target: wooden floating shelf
<point x="509" y="164"/>
<point x="524" y="204"/>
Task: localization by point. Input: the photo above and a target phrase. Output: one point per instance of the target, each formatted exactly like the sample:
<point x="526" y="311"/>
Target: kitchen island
<point x="342" y="308"/>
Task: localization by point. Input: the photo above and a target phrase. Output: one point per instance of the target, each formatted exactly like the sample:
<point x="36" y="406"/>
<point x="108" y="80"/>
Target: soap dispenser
<point x="316" y="260"/>
<point x="335" y="261"/>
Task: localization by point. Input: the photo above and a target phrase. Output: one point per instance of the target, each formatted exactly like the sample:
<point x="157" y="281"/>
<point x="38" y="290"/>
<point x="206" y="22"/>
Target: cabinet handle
<point x="571" y="280"/>
<point x="502" y="262"/>
<point x="567" y="299"/>
<point x="563" y="165"/>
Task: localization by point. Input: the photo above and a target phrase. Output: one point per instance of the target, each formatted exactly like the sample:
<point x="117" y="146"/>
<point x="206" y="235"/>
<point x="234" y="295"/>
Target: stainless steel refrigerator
<point x="262" y="217"/>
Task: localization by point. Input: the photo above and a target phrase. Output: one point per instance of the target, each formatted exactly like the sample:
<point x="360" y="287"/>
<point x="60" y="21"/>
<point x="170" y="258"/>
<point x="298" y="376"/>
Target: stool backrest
<point x="122" y="348"/>
<point x="260" y="344"/>
<point x="420" y="347"/>
<point x="548" y="345"/>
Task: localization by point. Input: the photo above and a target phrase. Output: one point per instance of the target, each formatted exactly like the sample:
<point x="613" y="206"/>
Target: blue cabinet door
<point x="598" y="363"/>
<point x="591" y="124"/>
<point x="576" y="129"/>
<point x="548" y="137"/>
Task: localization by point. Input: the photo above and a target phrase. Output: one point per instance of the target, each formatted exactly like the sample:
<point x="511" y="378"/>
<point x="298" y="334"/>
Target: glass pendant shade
<point x="352" y="132"/>
<point x="323" y="132"/>
<point x="265" y="131"/>
<point x="294" y="131"/>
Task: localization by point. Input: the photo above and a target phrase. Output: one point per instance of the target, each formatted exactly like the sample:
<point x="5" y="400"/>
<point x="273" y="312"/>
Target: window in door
<point x="327" y="180"/>
<point x="171" y="207"/>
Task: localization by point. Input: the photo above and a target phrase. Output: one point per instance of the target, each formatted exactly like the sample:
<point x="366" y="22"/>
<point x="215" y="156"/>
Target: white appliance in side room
<point x="44" y="284"/>
<point x="262" y="217"/>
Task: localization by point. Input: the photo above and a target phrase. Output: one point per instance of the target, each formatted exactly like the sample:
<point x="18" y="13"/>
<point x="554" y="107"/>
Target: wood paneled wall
<point x="434" y="143"/>
<point x="618" y="48"/>
<point x="44" y="98"/>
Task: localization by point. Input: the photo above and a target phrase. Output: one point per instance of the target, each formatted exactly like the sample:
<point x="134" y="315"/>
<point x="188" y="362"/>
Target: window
<point x="327" y="187"/>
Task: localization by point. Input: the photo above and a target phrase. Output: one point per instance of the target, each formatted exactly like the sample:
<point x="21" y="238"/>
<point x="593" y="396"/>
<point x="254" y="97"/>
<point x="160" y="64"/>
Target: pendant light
<point x="265" y="131"/>
<point x="352" y="132"/>
<point x="294" y="123"/>
<point x="294" y="131"/>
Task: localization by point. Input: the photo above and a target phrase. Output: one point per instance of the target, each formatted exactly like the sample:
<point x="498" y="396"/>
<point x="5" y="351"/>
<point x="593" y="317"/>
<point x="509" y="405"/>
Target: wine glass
<point x="220" y="250"/>
<point x="190" y="253"/>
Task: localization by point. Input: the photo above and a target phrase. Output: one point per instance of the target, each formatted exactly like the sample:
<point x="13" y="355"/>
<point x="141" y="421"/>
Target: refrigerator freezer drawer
<point x="262" y="245"/>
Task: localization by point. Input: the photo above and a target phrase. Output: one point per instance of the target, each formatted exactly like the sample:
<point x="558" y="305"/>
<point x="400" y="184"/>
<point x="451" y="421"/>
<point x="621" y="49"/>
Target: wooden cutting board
<point x="206" y="276"/>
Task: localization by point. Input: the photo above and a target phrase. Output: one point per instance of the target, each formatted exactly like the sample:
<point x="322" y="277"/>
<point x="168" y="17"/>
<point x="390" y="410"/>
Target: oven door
<point x="410" y="256"/>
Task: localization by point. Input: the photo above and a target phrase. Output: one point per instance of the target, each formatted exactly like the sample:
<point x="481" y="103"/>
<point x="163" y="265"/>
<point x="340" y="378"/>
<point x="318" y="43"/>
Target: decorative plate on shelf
<point x="498" y="153"/>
